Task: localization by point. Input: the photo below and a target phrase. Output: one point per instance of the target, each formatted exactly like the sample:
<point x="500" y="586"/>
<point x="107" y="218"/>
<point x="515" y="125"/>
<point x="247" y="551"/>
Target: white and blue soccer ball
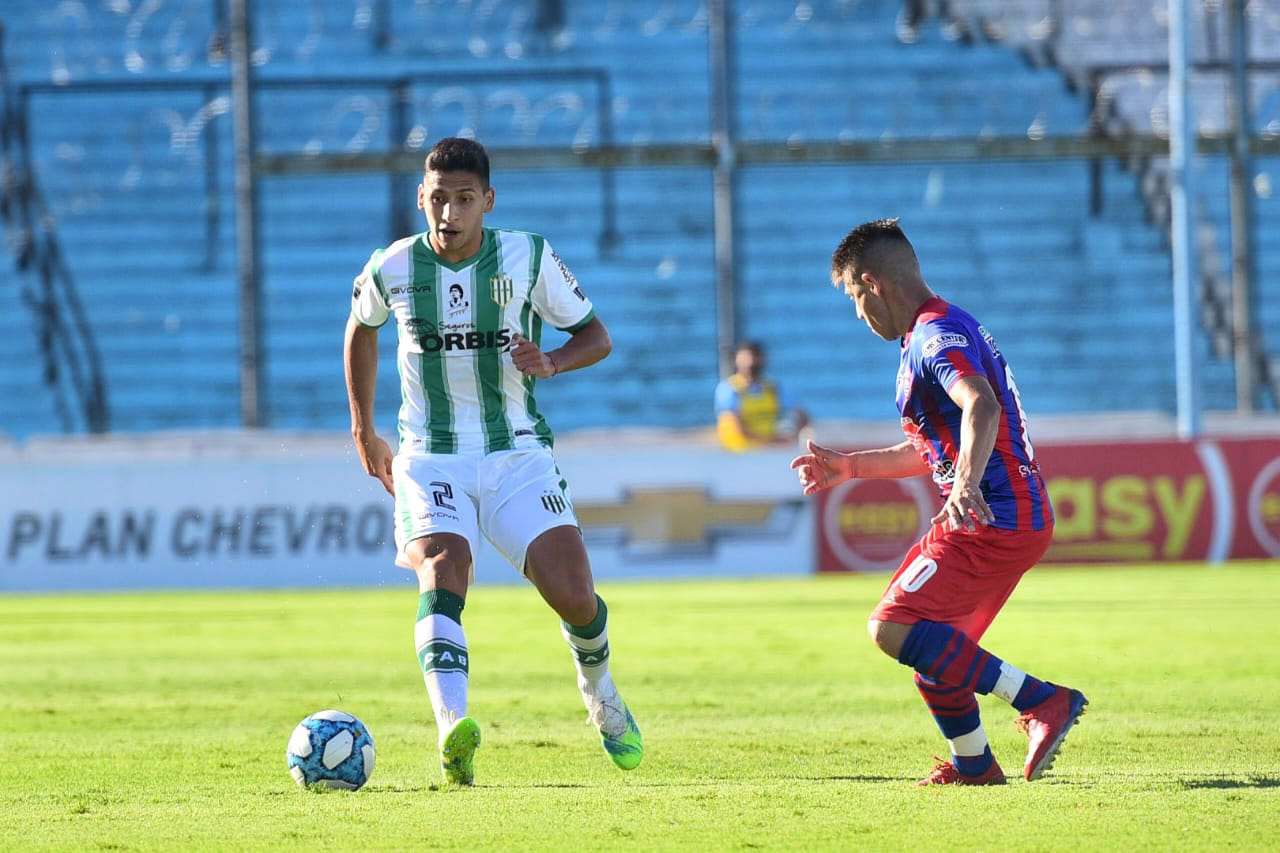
<point x="330" y="749"/>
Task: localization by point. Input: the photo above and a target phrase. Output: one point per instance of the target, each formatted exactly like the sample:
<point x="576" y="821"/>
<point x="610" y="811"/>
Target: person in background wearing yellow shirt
<point x="751" y="411"/>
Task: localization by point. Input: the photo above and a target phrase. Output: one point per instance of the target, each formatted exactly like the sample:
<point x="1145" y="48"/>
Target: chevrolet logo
<point x="677" y="517"/>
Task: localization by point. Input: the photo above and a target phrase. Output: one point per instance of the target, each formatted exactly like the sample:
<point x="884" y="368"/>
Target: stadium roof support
<point x="728" y="321"/>
<point x="1243" y="342"/>
<point x="250" y="298"/>
<point x="1182" y="153"/>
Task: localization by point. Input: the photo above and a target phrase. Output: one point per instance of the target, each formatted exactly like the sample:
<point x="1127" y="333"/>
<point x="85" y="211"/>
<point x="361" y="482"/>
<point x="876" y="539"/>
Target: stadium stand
<point x="130" y="140"/>
<point x="1119" y="50"/>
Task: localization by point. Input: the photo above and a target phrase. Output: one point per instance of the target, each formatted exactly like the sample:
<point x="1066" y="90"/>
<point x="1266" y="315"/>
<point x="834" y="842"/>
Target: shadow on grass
<point x="632" y="784"/>
<point x="441" y="787"/>
<point x="1231" y="782"/>
<point x="635" y="784"/>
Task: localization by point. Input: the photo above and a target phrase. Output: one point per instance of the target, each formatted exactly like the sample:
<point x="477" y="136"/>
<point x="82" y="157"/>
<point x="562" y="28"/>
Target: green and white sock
<point x="590" y="645"/>
<point x="442" y="654"/>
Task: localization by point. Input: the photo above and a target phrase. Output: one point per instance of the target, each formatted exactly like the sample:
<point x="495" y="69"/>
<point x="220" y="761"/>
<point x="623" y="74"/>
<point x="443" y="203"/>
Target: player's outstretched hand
<point x="529" y="359"/>
<point x="375" y="456"/>
<point x="965" y="507"/>
<point x="821" y="468"/>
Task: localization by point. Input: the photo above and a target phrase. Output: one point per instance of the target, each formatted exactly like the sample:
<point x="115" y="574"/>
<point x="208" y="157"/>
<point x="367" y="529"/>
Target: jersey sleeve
<point x="950" y="352"/>
<point x="368" y="299"/>
<point x="556" y="295"/>
<point x="726" y="398"/>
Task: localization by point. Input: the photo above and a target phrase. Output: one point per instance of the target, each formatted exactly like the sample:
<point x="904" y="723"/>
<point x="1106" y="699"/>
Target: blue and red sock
<point x="955" y="710"/>
<point x="944" y="654"/>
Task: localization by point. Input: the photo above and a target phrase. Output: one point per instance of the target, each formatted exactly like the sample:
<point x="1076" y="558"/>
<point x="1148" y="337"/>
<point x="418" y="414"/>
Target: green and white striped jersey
<point x="455" y="323"/>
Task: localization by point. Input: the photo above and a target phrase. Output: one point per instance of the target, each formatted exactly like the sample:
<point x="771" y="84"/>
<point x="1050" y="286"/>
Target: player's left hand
<point x="821" y="468"/>
<point x="965" y="507"/>
<point x="529" y="359"/>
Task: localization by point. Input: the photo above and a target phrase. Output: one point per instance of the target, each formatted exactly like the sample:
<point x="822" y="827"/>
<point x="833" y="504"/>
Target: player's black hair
<point x="749" y="346"/>
<point x="865" y="247"/>
<point x="455" y="154"/>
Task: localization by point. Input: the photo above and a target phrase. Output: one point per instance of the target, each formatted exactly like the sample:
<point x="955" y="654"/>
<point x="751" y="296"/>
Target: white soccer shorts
<point x="511" y="496"/>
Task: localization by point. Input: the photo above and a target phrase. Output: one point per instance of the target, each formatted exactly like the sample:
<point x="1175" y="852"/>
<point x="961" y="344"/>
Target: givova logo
<point x="442" y="655"/>
<point x="564" y="271"/>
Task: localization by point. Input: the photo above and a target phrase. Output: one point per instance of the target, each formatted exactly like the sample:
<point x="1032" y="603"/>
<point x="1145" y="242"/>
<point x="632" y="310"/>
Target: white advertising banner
<point x="274" y="511"/>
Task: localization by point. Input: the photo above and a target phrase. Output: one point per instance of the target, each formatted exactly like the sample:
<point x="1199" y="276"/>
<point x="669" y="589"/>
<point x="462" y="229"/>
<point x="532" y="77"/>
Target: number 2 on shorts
<point x="444" y="491"/>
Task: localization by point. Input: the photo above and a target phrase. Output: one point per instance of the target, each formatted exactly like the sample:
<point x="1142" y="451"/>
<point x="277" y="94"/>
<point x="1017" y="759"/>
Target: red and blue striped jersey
<point x="944" y="345"/>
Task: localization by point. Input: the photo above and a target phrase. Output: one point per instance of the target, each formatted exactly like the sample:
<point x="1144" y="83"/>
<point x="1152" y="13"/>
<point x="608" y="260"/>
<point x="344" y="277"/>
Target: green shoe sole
<point x="457" y="751"/>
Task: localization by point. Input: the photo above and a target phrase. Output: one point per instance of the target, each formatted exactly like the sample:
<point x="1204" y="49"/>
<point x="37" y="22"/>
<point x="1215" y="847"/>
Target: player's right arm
<point x="737" y="427"/>
<point x="821" y="468"/>
<point x="369" y="310"/>
<point x="360" y="360"/>
<point x="733" y="430"/>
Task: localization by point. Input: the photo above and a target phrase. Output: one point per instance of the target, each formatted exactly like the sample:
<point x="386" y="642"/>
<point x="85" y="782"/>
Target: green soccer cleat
<point x="626" y="748"/>
<point x="457" y="749"/>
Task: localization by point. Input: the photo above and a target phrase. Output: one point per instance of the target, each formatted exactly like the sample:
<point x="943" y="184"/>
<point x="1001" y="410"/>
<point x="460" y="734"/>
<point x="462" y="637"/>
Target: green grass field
<point x="159" y="721"/>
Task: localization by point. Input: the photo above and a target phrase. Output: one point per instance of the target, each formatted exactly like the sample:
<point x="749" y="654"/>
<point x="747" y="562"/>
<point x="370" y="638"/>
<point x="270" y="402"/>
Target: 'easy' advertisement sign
<point x="1120" y="501"/>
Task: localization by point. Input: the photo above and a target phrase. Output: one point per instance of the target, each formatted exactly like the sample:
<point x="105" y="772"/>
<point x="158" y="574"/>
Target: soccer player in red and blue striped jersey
<point x="965" y="426"/>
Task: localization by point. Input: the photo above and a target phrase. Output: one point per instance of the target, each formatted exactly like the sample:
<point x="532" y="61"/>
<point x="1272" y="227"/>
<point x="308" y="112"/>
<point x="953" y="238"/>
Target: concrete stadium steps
<point x="1135" y="31"/>
<point x="1020" y="247"/>
<point x="865" y="84"/>
<point x="172" y="406"/>
<point x="1003" y="192"/>
<point x="57" y="42"/>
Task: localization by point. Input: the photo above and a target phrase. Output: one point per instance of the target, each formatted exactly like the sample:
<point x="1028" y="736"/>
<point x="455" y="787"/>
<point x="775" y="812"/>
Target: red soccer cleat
<point x="1046" y="726"/>
<point x="945" y="773"/>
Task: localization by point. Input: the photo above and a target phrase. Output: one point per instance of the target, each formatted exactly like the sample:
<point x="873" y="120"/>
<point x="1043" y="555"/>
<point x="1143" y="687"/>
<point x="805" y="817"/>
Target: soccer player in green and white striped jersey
<point x="474" y="452"/>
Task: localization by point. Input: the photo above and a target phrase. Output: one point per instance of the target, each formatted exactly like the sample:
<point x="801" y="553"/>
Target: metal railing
<point x="70" y="364"/>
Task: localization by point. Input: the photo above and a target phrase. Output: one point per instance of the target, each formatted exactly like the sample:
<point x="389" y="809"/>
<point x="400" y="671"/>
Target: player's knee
<point x="873" y="630"/>
<point x="443" y="556"/>
<point x="886" y="635"/>
<point x="556" y="562"/>
<point x="573" y="600"/>
<point x="579" y="607"/>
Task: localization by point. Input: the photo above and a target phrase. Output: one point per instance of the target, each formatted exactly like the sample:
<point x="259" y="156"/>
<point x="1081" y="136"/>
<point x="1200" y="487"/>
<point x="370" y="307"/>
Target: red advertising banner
<point x="1151" y="501"/>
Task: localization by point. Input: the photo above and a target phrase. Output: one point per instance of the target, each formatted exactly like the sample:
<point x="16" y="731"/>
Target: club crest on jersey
<point x="502" y="289"/>
<point x="554" y="503"/>
<point x="904" y="379"/>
